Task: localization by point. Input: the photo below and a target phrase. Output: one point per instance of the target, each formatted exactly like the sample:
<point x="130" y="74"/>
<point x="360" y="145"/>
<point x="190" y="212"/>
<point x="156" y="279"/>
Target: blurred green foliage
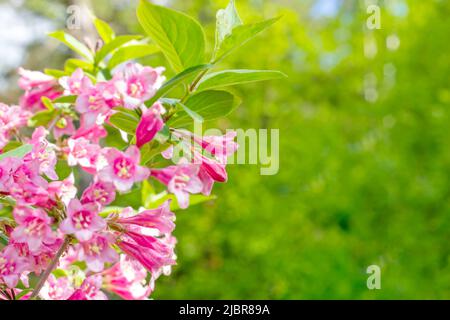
<point x="364" y="157"/>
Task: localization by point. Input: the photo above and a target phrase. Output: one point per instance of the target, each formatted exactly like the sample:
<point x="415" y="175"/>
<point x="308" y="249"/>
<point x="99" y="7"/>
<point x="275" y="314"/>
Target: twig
<point x="50" y="267"/>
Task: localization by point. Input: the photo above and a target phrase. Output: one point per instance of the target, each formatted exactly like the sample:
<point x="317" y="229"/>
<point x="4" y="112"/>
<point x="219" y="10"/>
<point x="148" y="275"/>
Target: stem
<point x="50" y="267"/>
<point x="197" y="80"/>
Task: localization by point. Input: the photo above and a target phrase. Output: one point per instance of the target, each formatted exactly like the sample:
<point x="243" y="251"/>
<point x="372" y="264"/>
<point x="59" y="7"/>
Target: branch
<point x="50" y="267"/>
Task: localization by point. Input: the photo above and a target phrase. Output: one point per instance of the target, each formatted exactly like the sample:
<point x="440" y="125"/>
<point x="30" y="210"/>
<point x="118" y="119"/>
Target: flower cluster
<point x="68" y="221"/>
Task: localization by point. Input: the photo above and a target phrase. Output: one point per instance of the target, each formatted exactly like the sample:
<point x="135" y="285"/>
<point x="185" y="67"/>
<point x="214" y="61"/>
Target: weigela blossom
<point x="37" y="85"/>
<point x="128" y="279"/>
<point x="151" y="123"/>
<point x="12" y="118"/>
<point x="11" y="266"/>
<point x="123" y="168"/>
<point x="136" y="83"/>
<point x="180" y="180"/>
<point x="82" y="220"/>
<point x="99" y="192"/>
<point x="97" y="251"/>
<point x="34" y="228"/>
<point x="146" y="237"/>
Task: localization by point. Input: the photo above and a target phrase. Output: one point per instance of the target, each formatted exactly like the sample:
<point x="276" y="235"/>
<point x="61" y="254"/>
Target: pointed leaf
<point x="19" y="152"/>
<point x="125" y="122"/>
<point x="73" y="44"/>
<point x="233" y="77"/>
<point x="209" y="104"/>
<point x="104" y="30"/>
<point x="180" y="38"/>
<point x="241" y="35"/>
<point x="114" y="45"/>
<point x="182" y="77"/>
<point x="227" y="20"/>
<point x="131" y="52"/>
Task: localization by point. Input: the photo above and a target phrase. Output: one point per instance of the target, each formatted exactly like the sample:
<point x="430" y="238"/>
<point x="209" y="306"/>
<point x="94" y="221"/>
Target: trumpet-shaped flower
<point x="82" y="220"/>
<point x="97" y="251"/>
<point x="127" y="279"/>
<point x="136" y="83"/>
<point x="100" y="193"/>
<point x="151" y="123"/>
<point x="34" y="228"/>
<point x="181" y="180"/>
<point x="123" y="168"/>
<point x="11" y="266"/>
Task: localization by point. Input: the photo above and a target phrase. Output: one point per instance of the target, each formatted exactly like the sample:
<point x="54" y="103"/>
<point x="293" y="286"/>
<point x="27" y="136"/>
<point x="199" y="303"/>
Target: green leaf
<point x="55" y="73"/>
<point x="114" y="45"/>
<point x="72" y="64"/>
<point x="191" y="113"/>
<point x="48" y="103"/>
<point x="239" y="36"/>
<point x="73" y="44"/>
<point x="233" y="77"/>
<point x="66" y="99"/>
<point x="114" y="139"/>
<point x="131" y="52"/>
<point x="104" y="30"/>
<point x="42" y="118"/>
<point x="180" y="38"/>
<point x="153" y="201"/>
<point x="226" y="20"/>
<point x="129" y="199"/>
<point x="19" y="152"/>
<point x="175" y="81"/>
<point x="152" y="149"/>
<point x="209" y="104"/>
<point x="3" y="239"/>
<point x="124" y="121"/>
<point x="62" y="169"/>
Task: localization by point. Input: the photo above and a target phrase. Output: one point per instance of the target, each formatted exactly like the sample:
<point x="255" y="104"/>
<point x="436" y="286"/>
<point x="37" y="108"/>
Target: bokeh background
<point x="364" y="150"/>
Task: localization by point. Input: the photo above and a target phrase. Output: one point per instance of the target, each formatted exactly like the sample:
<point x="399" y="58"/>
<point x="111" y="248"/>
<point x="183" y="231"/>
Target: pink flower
<point x="56" y="289"/>
<point x="76" y="84"/>
<point x="127" y="279"/>
<point x="146" y="237"/>
<point x="181" y="180"/>
<point x="34" y="228"/>
<point x="64" y="190"/>
<point x="89" y="290"/>
<point x="37" y="85"/>
<point x="26" y="186"/>
<point x="11" y="119"/>
<point x="11" y="266"/>
<point x="212" y="167"/>
<point x="92" y="132"/>
<point x="123" y="169"/>
<point x="96" y="103"/>
<point x="218" y="146"/>
<point x="97" y="251"/>
<point x="151" y="123"/>
<point x="100" y="193"/>
<point x="82" y="220"/>
<point x="136" y="83"/>
<point x="7" y="167"/>
<point x="161" y="218"/>
<point x="153" y="253"/>
<point x="83" y="153"/>
<point x="44" y="152"/>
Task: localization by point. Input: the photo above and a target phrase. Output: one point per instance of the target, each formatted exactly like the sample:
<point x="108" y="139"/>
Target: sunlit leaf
<point x="73" y="44"/>
<point x="131" y="52"/>
<point x="180" y="38"/>
<point x="233" y="77"/>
